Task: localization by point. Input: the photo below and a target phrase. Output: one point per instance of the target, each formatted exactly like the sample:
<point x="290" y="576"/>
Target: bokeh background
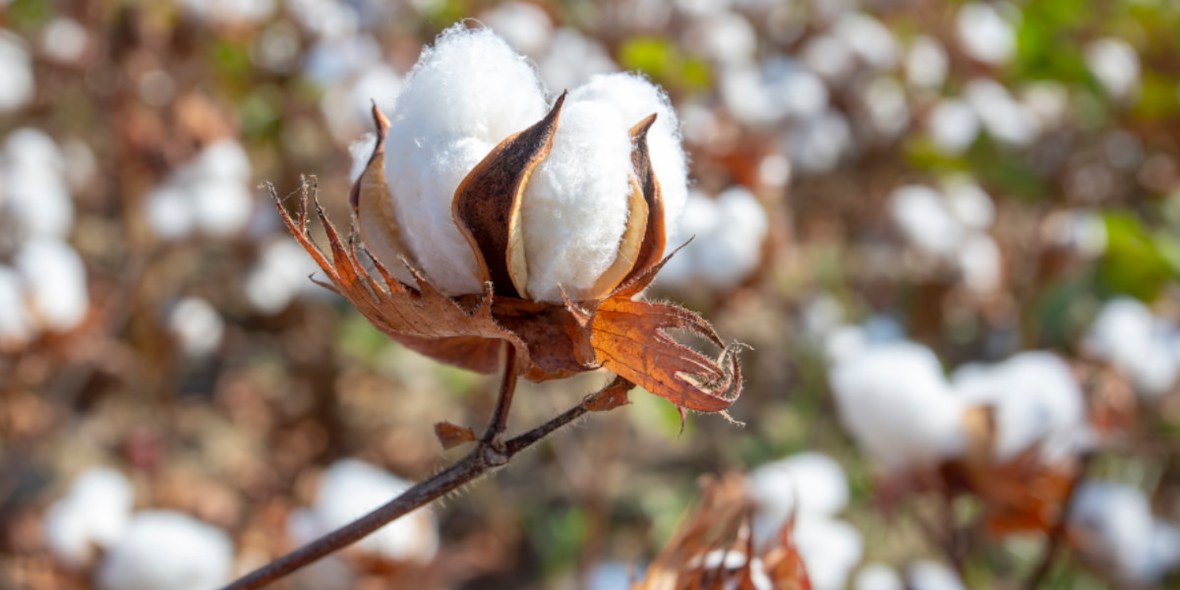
<point x="979" y="178"/>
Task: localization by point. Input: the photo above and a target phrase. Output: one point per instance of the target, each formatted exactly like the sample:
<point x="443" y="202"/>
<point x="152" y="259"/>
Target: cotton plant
<point x="1112" y="525"/>
<point x="727" y="236"/>
<point x="210" y="195"/>
<point x="1144" y="346"/>
<point x="166" y="550"/>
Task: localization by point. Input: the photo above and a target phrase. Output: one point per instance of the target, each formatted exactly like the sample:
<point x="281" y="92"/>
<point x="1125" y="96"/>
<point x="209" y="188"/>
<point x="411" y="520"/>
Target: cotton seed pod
<point x="528" y="270"/>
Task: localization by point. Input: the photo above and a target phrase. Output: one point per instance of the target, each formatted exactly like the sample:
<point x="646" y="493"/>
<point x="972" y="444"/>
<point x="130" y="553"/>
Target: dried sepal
<point x="451" y="435"/>
<point x="487" y="204"/>
<point x="654" y="240"/>
<point x="614" y="395"/>
<point x="372" y="206"/>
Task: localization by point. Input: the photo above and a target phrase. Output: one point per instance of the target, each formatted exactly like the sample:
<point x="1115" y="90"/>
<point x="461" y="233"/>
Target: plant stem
<point x="490" y="453"/>
<point x="1057" y="534"/>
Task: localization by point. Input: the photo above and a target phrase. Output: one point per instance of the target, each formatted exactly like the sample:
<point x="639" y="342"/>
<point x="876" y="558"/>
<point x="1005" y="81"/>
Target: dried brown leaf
<point x="450" y="435"/>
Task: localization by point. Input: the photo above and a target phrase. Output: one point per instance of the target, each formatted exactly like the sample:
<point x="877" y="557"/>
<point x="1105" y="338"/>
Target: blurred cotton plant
<point x="728" y="235"/>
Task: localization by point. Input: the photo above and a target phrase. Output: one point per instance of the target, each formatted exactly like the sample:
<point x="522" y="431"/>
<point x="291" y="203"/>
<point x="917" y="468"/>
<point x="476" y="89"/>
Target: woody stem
<point x="490" y="453"/>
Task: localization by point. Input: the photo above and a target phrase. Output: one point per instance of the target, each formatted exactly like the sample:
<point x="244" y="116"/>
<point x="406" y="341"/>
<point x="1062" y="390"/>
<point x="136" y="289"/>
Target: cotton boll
<point x="610" y="575"/>
<point x="230" y="12"/>
<point x="953" y="126"/>
<point x="1081" y="232"/>
<point x="1007" y="121"/>
<point x="1128" y="335"/>
<point x="932" y="575"/>
<point x="926" y="63"/>
<point x="969" y="203"/>
<point x="1115" y="64"/>
<point x="727" y="233"/>
<point x="333" y="60"/>
<point x="196" y="325"/>
<point x="1047" y="100"/>
<point x="329" y="573"/>
<point x="465" y="95"/>
<point x="829" y="57"/>
<point x="726" y="38"/>
<point x="1036" y="399"/>
<point x="796" y="91"/>
<point x="980" y="263"/>
<point x="281" y="273"/>
<point x="525" y="26"/>
<point x="351" y="488"/>
<point x="39" y="198"/>
<point x="885" y="101"/>
<point x="224" y="159"/>
<point x="818" y="144"/>
<point x="985" y="34"/>
<point x="806" y="484"/>
<point x="64" y="40"/>
<point x="169" y="212"/>
<point x="165" y="550"/>
<point x="575" y="206"/>
<point x="830" y="550"/>
<point x="221" y="207"/>
<point x="1115" y="524"/>
<point x="895" y="402"/>
<point x="380" y="84"/>
<point x="926" y="221"/>
<point x="16" y="70"/>
<point x="16" y="327"/>
<point x="876" y="576"/>
<point x="94" y="513"/>
<point x="326" y="18"/>
<point x="870" y="40"/>
<point x="573" y="59"/>
<point x="55" y="280"/>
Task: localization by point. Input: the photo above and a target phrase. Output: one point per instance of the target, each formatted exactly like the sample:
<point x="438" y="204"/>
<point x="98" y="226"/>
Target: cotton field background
<point x="949" y="232"/>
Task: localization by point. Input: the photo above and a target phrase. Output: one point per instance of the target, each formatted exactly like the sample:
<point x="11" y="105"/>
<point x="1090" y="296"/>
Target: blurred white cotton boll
<point x="525" y="26"/>
<point x="351" y="488"/>
<point x="727" y="233"/>
<point x="1048" y="100"/>
<point x="1116" y="66"/>
<point x="896" y="403"/>
<point x="224" y="159"/>
<point x="196" y="325"/>
<point x="1006" y="120"/>
<point x="230" y="12"/>
<point x="93" y="514"/>
<point x="985" y="34"/>
<point x="280" y="273"/>
<point x="329" y="573"/>
<point x="466" y="94"/>
<point x="926" y="63"/>
<point x="170" y="212"/>
<point x="953" y="126"/>
<point x="1036" y="399"/>
<point x="806" y="484"/>
<point x="1081" y="232"/>
<point x="221" y="207"/>
<point x="726" y="38"/>
<point x="55" y="280"/>
<point x="35" y="189"/>
<point x="333" y="60"/>
<point x="885" y="100"/>
<point x="165" y="550"/>
<point x="16" y="72"/>
<point x="610" y="575"/>
<point x="870" y="40"/>
<point x="830" y="549"/>
<point x="969" y="203"/>
<point x="326" y="18"/>
<point x="16" y="327"/>
<point x="829" y="57"/>
<point x="927" y="574"/>
<point x="1114" y="524"/>
<point x="1128" y="335"/>
<point x="585" y="177"/>
<point x="64" y="40"/>
<point x="817" y="145"/>
<point x="926" y="220"/>
<point x="877" y="576"/>
<point x="980" y="263"/>
<point x="573" y="59"/>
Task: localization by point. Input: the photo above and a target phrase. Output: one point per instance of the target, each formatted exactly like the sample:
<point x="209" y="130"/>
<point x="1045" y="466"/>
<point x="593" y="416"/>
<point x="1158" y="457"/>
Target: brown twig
<point x="1056" y="541"/>
<point x="490" y="453"/>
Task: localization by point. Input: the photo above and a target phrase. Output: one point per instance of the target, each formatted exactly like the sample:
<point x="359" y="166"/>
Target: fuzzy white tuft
<point x="928" y="574"/>
<point x="55" y="279"/>
<point x="1146" y="348"/>
<point x="1114" y="525"/>
<point x="94" y="513"/>
<point x="727" y="233"/>
<point x="877" y="576"/>
<point x="466" y="94"/>
<point x="830" y="548"/>
<point x="164" y="550"/>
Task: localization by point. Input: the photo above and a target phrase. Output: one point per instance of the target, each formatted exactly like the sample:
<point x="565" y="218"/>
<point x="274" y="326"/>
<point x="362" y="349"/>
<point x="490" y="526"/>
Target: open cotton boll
<point x="169" y="212"/>
<point x="1006" y="120"/>
<point x="94" y="513"/>
<point x="985" y="34"/>
<point x="636" y="98"/>
<point x="808" y="483"/>
<point x="926" y="63"/>
<point x="1116" y="66"/>
<point x="829" y="57"/>
<point x="727" y="235"/>
<point x="575" y="206"/>
<point x="830" y="550"/>
<point x="953" y="126"/>
<point x="278" y="276"/>
<point x="165" y="550"/>
<point x="16" y="327"/>
<point x="868" y="38"/>
<point x="525" y="26"/>
<point x="980" y="263"/>
<point x="466" y="94"/>
<point x="927" y="574"/>
<point x="351" y="488"/>
<point x="1128" y="335"/>
<point x="16" y="69"/>
<point x="925" y="219"/>
<point x="969" y="203"/>
<point x="221" y="206"/>
<point x="817" y="144"/>
<point x="1037" y="401"/>
<point x="64" y="40"/>
<point x="55" y="280"/>
<point x="196" y="325"/>
<point x="885" y="101"/>
<point x="39" y="198"/>
<point x="894" y="400"/>
<point x="1116" y="525"/>
<point x="877" y="576"/>
<point x="726" y="38"/>
<point x="223" y="159"/>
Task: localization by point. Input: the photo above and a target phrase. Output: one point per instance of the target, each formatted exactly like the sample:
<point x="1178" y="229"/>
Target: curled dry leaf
<point x="451" y="435"/>
<point x="611" y="328"/>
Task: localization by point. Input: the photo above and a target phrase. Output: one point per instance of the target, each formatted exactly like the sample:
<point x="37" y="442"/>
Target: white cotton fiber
<point x="16" y="327"/>
<point x="165" y="550"/>
<point x="196" y="325"/>
<point x="351" y="488"/>
<point x="55" y="279"/>
<point x="727" y="236"/>
<point x="926" y="220"/>
<point x="1115" y="64"/>
<point x="1128" y="335"/>
<point x="575" y="207"/>
<point x="16" y="71"/>
<point x="877" y="576"/>
<point x="466" y="94"/>
<point x="636" y="98"/>
<point x="1114" y="524"/>
<point x="953" y="126"/>
<point x="830" y="548"/>
<point x="896" y="403"/>
<point x="803" y="485"/>
<point x="927" y="574"/>
<point x="94" y="513"/>
<point x="985" y="34"/>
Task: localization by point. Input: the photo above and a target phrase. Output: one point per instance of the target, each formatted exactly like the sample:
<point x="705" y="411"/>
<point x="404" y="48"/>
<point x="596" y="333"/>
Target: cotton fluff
<point x="894" y="400"/>
<point x="926" y="63"/>
<point x="868" y="38"/>
<point x="586" y="177"/>
<point x="196" y="325"/>
<point x="928" y="574"/>
<point x="818" y="144"/>
<point x="926" y="220"/>
<point x="64" y="40"/>
<point x="16" y="73"/>
<point x="1037" y="403"/>
<point x="94" y="513"/>
<point x="1145" y="347"/>
<point x="464" y="96"/>
<point x="55" y="280"/>
<point x="979" y="261"/>
<point x="351" y="488"/>
<point x="16" y="327"/>
<point x="877" y="576"/>
<point x="885" y="101"/>
<point x="953" y="126"/>
<point x="35" y="186"/>
<point x="805" y="483"/>
<point x="830" y="549"/>
<point x="278" y="276"/>
<point x="985" y="34"/>
<point x="166" y="550"/>
<point x="1116" y="66"/>
<point x="1116" y="525"/>
<point x="1005" y="119"/>
<point x="209" y="194"/>
<point x="727" y="235"/>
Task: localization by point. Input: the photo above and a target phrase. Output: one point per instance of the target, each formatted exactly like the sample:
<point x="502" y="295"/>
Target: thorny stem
<point x="490" y="453"/>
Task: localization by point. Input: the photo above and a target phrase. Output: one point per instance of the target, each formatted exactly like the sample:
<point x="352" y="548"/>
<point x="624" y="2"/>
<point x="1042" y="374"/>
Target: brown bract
<point x="612" y="328"/>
